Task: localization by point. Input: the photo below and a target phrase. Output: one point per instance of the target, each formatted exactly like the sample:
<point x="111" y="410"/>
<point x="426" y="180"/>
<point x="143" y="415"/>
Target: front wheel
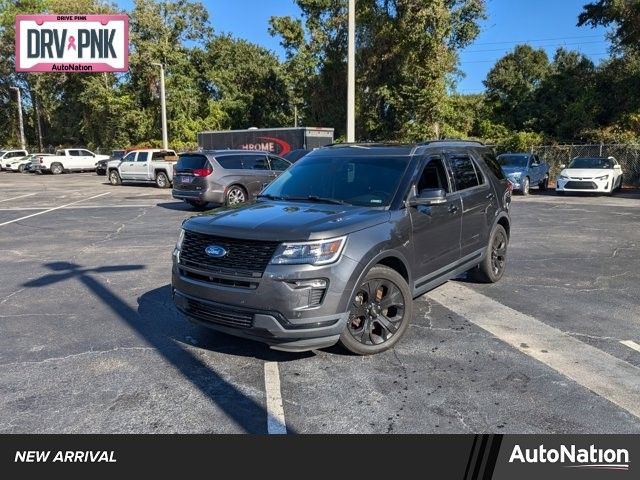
<point x="380" y="312"/>
<point x="525" y="186"/>
<point x="21" y="168"/>
<point x="492" y="267"/>
<point x="114" y="178"/>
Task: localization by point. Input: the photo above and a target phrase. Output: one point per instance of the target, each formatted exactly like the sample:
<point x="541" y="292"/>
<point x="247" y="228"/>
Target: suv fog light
<point x="312" y="283"/>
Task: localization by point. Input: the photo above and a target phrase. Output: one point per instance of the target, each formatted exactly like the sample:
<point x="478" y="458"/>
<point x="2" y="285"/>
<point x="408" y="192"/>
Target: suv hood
<point x="586" y="172"/>
<point x="288" y="221"/>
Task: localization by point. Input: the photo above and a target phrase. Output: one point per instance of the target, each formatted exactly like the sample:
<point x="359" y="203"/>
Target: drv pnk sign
<point x="72" y="43"/>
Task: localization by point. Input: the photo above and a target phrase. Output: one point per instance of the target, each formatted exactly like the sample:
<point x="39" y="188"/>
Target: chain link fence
<point x="628" y="155"/>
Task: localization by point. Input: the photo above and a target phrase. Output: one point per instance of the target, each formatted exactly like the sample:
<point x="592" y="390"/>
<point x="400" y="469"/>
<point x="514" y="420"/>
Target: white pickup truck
<point x="149" y="165"/>
<point x="68" y="160"/>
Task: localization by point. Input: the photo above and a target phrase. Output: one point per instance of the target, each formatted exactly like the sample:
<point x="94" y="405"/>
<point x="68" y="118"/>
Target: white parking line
<point x="603" y="374"/>
<point x="19" y="196"/>
<point x="631" y="344"/>
<point x="275" y="409"/>
<point x="52" y="209"/>
<point x="85" y="207"/>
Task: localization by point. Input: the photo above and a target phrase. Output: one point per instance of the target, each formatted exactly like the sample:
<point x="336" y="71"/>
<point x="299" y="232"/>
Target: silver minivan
<point x="229" y="177"/>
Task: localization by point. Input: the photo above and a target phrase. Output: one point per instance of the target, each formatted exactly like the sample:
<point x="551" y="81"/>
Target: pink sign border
<point x="97" y="67"/>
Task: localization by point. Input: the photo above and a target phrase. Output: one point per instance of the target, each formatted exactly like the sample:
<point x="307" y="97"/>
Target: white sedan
<point x="593" y="174"/>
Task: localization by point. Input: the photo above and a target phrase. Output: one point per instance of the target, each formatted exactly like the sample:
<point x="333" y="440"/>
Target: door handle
<point x="490" y="196"/>
<point x="453" y="209"/>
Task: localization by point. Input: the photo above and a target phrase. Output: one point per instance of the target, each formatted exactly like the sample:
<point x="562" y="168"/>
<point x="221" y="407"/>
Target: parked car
<point x="230" y="177"/>
<point x="149" y="165"/>
<point x="590" y="174"/>
<point x="9" y="155"/>
<point x="101" y="166"/>
<point x="525" y="170"/>
<point x="294" y="155"/>
<point x="68" y="160"/>
<point x="21" y="164"/>
<point x="337" y="247"/>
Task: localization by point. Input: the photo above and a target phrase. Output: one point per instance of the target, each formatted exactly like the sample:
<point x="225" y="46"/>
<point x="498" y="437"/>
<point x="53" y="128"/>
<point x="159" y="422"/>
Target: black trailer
<point x="279" y="141"/>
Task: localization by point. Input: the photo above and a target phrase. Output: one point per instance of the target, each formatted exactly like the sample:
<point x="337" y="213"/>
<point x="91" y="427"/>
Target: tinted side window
<point x="255" y="162"/>
<point x="143" y="156"/>
<point x="232" y="162"/>
<point x="75" y="153"/>
<point x="491" y="161"/>
<point x="86" y="153"/>
<point x="278" y="164"/>
<point x="464" y="173"/>
<point x="130" y="157"/>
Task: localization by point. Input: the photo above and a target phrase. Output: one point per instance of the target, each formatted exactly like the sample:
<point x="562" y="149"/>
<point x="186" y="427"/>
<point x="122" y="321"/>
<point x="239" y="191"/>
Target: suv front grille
<point x="247" y="258"/>
<point x="218" y="314"/>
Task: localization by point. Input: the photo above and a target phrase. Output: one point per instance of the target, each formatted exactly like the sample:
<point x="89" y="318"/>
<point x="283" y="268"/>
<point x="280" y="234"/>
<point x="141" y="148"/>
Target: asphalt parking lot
<point x="91" y="342"/>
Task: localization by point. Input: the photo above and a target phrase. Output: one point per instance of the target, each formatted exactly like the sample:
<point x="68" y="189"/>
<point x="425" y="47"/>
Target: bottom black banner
<point x="465" y="457"/>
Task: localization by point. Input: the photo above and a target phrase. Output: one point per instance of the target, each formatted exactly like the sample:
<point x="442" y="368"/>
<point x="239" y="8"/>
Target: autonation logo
<point x="574" y="457"/>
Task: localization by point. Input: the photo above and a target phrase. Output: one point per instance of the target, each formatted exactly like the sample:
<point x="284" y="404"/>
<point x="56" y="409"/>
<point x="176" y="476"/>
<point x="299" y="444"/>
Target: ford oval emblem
<point x="215" y="251"/>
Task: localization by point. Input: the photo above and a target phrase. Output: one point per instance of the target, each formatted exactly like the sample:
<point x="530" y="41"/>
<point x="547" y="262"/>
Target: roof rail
<point x="444" y="140"/>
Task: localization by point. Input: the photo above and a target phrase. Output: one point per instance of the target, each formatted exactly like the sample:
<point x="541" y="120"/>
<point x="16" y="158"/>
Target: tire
<point x="525" y="187"/>
<point x="559" y="192"/>
<point x="377" y="325"/>
<point x="198" y="205"/>
<point x="236" y="195"/>
<point x="162" y="181"/>
<point x="619" y="188"/>
<point x="20" y="168"/>
<point x="114" y="178"/>
<point x="491" y="269"/>
<point x="544" y="184"/>
<point x="56" y="168"/>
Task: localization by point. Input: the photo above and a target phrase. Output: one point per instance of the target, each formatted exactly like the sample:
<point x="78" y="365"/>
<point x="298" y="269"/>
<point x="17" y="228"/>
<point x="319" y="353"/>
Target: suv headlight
<point x="516" y="175"/>
<point x="562" y="177"/>
<point x="603" y="177"/>
<point x="319" y="252"/>
<point x="180" y="240"/>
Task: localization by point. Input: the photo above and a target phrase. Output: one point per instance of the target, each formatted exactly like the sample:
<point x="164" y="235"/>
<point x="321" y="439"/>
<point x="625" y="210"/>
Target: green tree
<point x="623" y="15"/>
<point x="406" y="51"/>
<point x="511" y="86"/>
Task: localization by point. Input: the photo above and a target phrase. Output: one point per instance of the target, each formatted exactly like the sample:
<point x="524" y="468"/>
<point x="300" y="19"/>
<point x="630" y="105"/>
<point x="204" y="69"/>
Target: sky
<point x="543" y="23"/>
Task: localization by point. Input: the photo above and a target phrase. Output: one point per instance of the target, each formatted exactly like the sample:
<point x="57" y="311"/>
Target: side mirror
<point x="563" y="166"/>
<point x="428" y="196"/>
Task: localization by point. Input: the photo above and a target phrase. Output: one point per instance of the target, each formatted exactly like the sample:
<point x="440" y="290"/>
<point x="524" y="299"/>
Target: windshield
<point x="513" y="160"/>
<point x="591" y="163"/>
<point x="363" y="181"/>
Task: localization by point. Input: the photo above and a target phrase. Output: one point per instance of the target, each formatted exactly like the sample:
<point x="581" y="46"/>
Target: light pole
<point x="163" y="106"/>
<point x="351" y="74"/>
<point x="23" y="143"/>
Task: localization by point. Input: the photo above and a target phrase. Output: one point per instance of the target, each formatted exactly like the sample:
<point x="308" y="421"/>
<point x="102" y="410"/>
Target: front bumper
<point x="584" y="185"/>
<point x="272" y="310"/>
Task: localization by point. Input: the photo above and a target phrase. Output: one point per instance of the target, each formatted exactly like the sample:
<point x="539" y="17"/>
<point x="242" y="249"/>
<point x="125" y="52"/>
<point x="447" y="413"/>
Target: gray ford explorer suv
<point x="336" y="248"/>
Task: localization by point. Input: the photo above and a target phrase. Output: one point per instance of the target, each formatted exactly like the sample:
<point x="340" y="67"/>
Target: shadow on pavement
<point x="158" y="323"/>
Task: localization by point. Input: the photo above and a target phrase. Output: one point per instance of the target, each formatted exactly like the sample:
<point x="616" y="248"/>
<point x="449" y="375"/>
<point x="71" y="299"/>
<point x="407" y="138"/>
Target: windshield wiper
<point x="316" y="198"/>
<point x="271" y="197"/>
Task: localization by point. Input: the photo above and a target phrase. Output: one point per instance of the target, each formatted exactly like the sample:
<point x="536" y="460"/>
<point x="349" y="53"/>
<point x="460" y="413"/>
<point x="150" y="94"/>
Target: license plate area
<point x="185" y="179"/>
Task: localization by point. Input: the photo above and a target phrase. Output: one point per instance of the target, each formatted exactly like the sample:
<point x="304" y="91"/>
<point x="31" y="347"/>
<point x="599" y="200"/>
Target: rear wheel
<point x="236" y="195"/>
<point x="114" y="178"/>
<point x="380" y="312"/>
<point x="162" y="181"/>
<point x="492" y="267"/>
<point x="544" y="184"/>
<point x="57" y="168"/>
